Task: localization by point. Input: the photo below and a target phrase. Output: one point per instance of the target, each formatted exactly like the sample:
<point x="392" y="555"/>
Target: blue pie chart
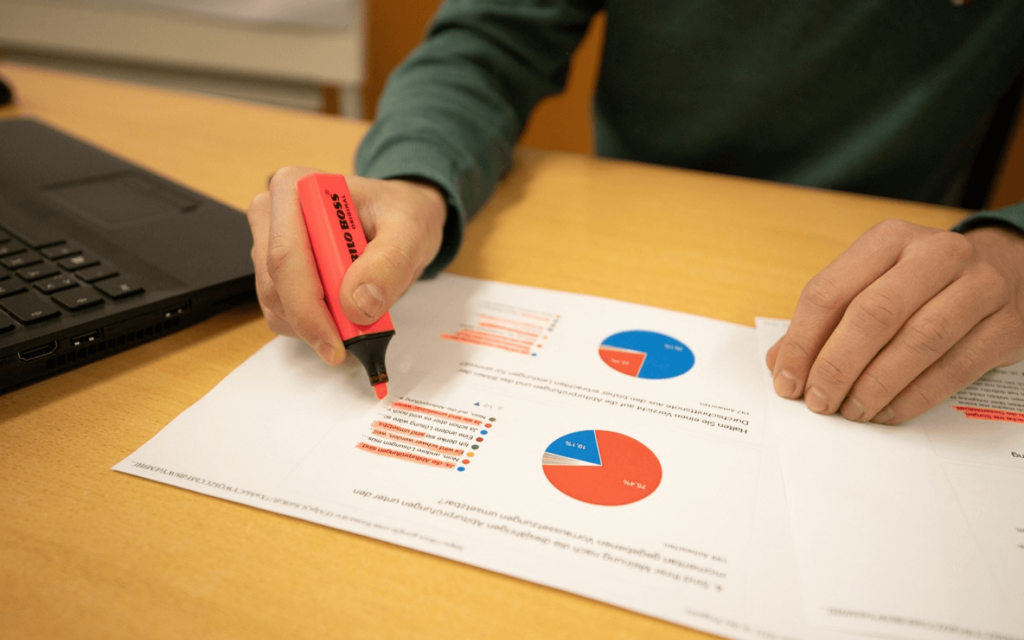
<point x="646" y="354"/>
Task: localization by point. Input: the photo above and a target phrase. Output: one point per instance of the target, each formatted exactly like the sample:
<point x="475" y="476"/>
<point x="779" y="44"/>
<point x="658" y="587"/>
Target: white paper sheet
<point x="555" y="415"/>
<point x="914" y="531"/>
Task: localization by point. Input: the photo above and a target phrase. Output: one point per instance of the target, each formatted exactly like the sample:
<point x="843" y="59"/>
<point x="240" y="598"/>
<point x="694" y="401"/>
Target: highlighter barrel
<point x="337" y="239"/>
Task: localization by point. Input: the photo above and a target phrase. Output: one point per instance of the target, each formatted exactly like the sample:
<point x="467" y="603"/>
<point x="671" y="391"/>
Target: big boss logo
<point x="343" y="222"/>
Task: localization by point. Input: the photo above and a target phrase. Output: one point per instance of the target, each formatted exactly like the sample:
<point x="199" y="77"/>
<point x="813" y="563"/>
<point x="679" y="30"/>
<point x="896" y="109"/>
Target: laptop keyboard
<point x="61" y="278"/>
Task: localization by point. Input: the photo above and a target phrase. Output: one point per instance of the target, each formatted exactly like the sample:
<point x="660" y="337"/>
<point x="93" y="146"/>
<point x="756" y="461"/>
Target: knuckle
<point x="967" y="366"/>
<point x="267" y="292"/>
<point x="823" y="293"/>
<point x="929" y="336"/>
<point x="275" y="321"/>
<point x="874" y="389"/>
<point x="278" y="256"/>
<point x="794" y="350"/>
<point x="954" y="247"/>
<point x="893" y="228"/>
<point x="873" y="311"/>
<point x="305" y="327"/>
<point x="259" y="202"/>
<point x="283" y="176"/>
<point x="277" y="325"/>
<point x="916" y="395"/>
<point x="831" y="373"/>
<point x="259" y="264"/>
<point x="989" y="279"/>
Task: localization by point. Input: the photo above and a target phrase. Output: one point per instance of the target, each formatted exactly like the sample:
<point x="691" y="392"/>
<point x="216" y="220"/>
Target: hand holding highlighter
<point x="337" y="238"/>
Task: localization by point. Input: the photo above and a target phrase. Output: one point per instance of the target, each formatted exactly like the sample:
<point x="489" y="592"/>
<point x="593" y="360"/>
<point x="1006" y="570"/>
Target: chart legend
<point x="507" y="327"/>
<point x="646" y="354"/>
<point x="427" y="433"/>
<point x="602" y="468"/>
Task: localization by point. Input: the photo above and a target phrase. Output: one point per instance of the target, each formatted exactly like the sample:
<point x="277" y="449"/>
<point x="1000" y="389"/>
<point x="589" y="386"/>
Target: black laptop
<point x="98" y="255"/>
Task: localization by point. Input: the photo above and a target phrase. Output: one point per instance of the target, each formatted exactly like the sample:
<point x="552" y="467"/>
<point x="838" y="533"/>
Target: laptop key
<point x="28" y="307"/>
<point x="58" y="282"/>
<point x="11" y="248"/>
<point x="118" y="287"/>
<point x="10" y="286"/>
<point x="78" y="298"/>
<point x="61" y="250"/>
<point x="6" y="324"/>
<point x="78" y="262"/>
<point x="99" y="272"/>
<point x="37" y="272"/>
<point x="20" y="260"/>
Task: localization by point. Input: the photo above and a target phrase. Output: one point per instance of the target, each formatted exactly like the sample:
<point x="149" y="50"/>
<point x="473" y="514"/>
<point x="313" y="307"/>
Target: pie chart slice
<point x="602" y="467"/>
<point x="646" y="354"/>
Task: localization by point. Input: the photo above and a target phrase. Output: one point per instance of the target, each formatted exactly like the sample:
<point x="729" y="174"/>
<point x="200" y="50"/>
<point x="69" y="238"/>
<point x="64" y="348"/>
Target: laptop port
<point x="35" y="353"/>
<point x="85" y="339"/>
<point x="176" y="311"/>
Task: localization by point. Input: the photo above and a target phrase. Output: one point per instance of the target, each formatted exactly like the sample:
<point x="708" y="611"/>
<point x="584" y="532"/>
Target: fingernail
<point x="369" y="299"/>
<point x="884" y="416"/>
<point x="815" y="401"/>
<point x="785" y="384"/>
<point x="852" y="409"/>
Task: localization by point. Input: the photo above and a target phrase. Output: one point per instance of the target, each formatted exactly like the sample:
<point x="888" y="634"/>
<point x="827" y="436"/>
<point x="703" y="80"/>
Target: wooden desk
<point x="86" y="552"/>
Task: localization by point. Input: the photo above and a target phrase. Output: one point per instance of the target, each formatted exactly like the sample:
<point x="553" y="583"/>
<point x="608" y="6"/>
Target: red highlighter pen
<point x="337" y="238"/>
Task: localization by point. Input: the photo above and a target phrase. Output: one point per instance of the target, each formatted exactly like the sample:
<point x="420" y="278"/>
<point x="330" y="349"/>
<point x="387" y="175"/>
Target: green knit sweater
<point x="873" y="96"/>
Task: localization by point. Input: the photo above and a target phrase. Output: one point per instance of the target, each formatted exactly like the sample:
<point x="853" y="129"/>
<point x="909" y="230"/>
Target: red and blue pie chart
<point x="602" y="467"/>
<point x="646" y="354"/>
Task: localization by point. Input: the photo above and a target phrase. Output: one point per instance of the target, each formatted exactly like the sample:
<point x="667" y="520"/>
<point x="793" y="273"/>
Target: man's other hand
<point x="904" y="318"/>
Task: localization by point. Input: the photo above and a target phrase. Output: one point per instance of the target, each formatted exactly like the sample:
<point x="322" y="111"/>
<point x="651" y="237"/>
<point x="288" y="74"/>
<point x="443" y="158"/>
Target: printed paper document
<point x="608" y="449"/>
<point x="913" y="531"/>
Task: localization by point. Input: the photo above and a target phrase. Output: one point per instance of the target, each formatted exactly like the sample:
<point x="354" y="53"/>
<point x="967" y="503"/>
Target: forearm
<point x="451" y="114"/>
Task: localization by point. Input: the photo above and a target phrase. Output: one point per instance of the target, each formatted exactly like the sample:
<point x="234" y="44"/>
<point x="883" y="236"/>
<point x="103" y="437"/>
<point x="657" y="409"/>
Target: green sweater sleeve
<point x="452" y="112"/>
<point x="780" y="92"/>
<point x="1011" y="216"/>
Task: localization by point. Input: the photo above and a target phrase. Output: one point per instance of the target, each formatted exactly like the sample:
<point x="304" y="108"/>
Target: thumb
<point x="381" y="274"/>
<point x="405" y="221"/>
